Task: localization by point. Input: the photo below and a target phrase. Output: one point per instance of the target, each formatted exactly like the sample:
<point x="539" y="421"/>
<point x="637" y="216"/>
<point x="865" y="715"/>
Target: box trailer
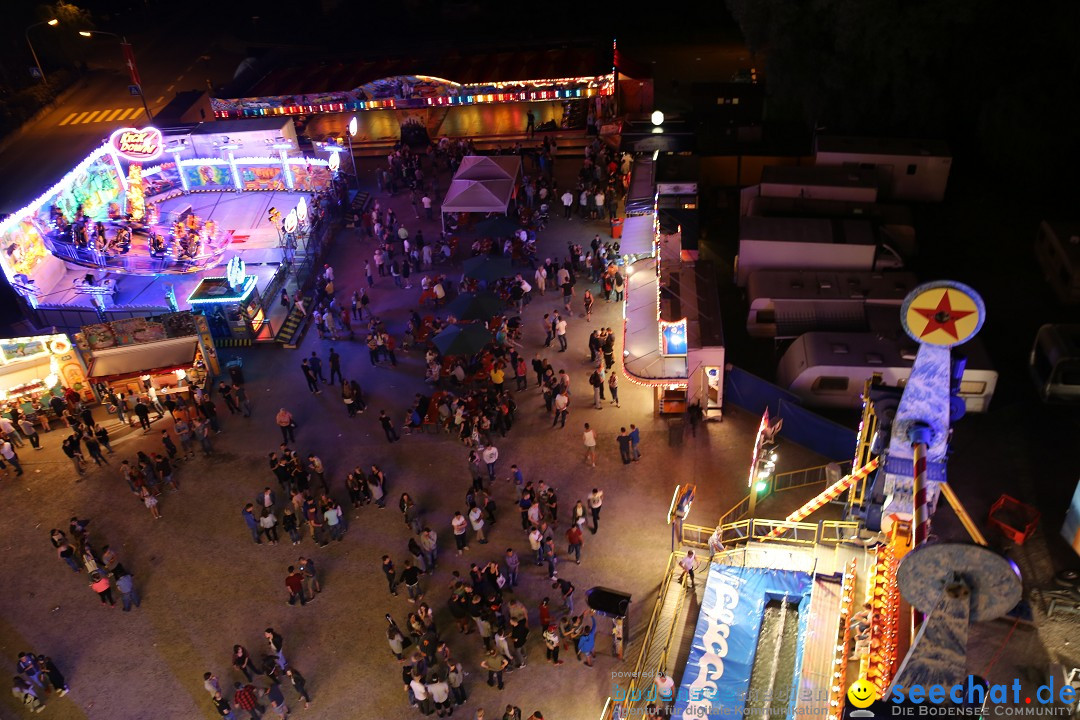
<point x="776" y="243"/>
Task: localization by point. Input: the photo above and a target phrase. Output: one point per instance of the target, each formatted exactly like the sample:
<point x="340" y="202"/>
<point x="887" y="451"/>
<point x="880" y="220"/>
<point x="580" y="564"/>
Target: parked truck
<point x="779" y="243"/>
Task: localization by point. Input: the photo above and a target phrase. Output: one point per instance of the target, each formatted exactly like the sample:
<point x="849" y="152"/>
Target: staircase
<point x="291" y="332"/>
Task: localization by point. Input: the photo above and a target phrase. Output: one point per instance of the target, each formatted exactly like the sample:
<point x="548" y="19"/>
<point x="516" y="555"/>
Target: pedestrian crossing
<point x="95" y="116"/>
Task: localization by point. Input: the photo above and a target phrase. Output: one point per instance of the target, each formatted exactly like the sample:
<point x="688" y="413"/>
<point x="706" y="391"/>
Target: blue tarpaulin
<point x="801" y="426"/>
<point x="721" y="657"/>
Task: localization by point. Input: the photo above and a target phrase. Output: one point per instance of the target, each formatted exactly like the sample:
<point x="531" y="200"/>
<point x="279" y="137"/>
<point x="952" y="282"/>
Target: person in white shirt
<point x="426" y="202"/>
<point x="560" y="333"/>
<point x="476" y="519"/>
<point x="541" y="278"/>
<point x="688" y="565"/>
<point x="567" y="203"/>
<point x="596" y="501"/>
<point x="9" y="431"/>
<point x="589" y="437"/>
<point x="490" y="455"/>
<point x="460" y="525"/>
<point x="599" y="200"/>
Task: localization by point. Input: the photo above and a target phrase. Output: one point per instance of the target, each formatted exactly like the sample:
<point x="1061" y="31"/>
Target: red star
<point x="943" y="317"/>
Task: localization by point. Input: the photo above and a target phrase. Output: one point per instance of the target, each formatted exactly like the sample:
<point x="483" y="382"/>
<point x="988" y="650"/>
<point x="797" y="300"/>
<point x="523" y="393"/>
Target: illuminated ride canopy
<point x="95" y="217"/>
<point x="416" y="91"/>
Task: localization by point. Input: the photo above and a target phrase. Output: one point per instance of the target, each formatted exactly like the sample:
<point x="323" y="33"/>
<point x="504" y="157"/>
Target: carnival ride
<point x="867" y="580"/>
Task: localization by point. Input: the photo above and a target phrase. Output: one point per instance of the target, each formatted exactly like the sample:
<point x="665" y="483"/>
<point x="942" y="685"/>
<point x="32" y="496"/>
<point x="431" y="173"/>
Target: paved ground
<point x="206" y="586"/>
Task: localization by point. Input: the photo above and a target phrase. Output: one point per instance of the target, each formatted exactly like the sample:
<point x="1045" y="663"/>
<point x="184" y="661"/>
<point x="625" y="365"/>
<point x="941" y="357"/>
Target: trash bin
<point x="675" y="433"/>
<point x="616" y="227"/>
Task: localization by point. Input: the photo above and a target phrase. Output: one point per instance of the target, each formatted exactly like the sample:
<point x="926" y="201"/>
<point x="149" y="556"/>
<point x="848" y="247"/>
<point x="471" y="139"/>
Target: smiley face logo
<point x="862" y="693"/>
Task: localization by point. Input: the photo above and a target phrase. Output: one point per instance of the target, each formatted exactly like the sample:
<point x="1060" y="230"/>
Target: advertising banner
<point x="717" y="675"/>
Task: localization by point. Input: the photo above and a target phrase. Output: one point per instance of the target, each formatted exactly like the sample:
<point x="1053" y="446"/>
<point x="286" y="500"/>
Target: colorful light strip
<point x="838" y="681"/>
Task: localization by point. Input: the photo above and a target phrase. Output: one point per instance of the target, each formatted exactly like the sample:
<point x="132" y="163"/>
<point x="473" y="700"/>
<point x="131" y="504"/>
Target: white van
<point x="1055" y="363"/>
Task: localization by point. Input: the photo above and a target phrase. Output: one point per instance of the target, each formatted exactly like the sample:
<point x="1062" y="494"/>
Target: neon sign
<point x="235" y="272"/>
<point x="137" y="145"/>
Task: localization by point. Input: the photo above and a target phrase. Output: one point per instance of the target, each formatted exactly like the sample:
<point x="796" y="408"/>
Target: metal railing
<point x="639" y="674"/>
<point x="838" y="531"/>
<point x="816" y="475"/>
<point x="762" y="530"/>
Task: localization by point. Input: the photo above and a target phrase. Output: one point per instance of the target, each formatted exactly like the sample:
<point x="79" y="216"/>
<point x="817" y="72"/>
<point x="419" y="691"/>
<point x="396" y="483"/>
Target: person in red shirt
<point x="294" y="581"/>
<point x="245" y="699"/>
<point x="575" y="540"/>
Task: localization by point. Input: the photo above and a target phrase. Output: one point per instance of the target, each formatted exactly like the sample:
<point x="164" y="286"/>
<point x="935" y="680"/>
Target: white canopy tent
<point x="484" y="167"/>
<point x="482" y="184"/>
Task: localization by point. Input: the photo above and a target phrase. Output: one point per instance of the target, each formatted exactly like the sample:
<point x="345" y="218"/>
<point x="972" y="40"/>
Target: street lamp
<point x="353" y="127"/>
<point x="129" y="60"/>
<point x="54" y="22"/>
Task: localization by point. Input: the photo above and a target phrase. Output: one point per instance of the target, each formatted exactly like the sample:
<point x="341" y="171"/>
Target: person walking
<point x="460" y="526"/>
<point x="429" y="546"/>
<point x="276" y="643"/>
<point x="10" y="456"/>
<point x="589" y="438"/>
<point x="299" y="684"/>
<point x="388" y="427"/>
<point x="560" y="323"/>
<point x="411" y="577"/>
<point x="595" y="501"/>
<point x="391" y="574"/>
<point x="310" y="377"/>
<point x="688" y="565"/>
<point x="30" y="432"/>
<point x="613" y="387"/>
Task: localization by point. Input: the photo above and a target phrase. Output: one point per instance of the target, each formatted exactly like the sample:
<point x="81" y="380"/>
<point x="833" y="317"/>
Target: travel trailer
<point x="788" y="303"/>
<point x="830" y="369"/>
<point x="1055" y="363"/>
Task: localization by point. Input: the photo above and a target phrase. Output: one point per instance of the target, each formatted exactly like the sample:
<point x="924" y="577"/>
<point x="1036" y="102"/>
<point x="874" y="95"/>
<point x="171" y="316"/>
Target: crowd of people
<point x="515" y="601"/>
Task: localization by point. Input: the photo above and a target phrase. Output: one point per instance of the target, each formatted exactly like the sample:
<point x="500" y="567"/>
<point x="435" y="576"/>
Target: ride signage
<point x="137" y="145"/>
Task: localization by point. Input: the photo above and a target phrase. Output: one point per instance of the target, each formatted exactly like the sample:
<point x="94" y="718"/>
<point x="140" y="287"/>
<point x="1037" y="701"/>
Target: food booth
<point x="35" y="369"/>
<point x="172" y="353"/>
